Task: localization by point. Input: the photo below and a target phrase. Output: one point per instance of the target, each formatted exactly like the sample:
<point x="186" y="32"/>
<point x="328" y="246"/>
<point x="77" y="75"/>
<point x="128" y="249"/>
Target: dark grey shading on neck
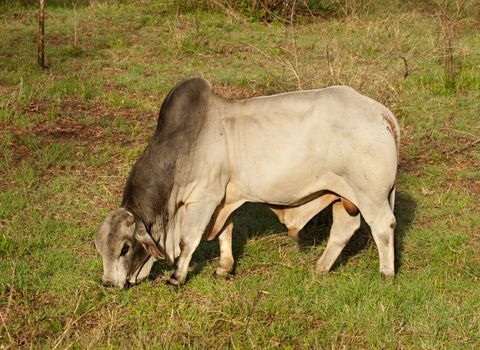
<point x="149" y="185"/>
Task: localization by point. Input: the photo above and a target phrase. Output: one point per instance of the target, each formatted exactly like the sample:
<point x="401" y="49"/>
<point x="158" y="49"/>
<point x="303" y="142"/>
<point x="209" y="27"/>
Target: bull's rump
<point x="284" y="148"/>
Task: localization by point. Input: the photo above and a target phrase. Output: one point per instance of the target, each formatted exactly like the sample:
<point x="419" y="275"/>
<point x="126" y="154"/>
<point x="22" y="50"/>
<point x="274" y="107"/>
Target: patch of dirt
<point x="464" y="162"/>
<point x="35" y="106"/>
<point x="406" y="139"/>
<point x="98" y="110"/>
<point x="473" y="186"/>
<point x="457" y="153"/>
<point x="69" y="129"/>
<point x="21" y="150"/>
<point x="84" y="125"/>
<point x="475" y="241"/>
<point x="236" y="49"/>
<point x="79" y="121"/>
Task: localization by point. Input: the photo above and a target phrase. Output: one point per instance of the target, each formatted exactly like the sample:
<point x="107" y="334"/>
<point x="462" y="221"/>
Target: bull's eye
<point x="124" y="250"/>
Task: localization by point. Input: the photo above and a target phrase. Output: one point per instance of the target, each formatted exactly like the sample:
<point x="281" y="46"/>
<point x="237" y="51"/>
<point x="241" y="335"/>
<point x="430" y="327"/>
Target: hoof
<point x="322" y="270"/>
<point x="387" y="272"/>
<point x="173" y="282"/>
<point x="222" y="274"/>
<point x="388" y="275"/>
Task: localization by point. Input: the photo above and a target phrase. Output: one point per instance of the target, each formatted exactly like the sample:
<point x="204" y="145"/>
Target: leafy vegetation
<point x="69" y="135"/>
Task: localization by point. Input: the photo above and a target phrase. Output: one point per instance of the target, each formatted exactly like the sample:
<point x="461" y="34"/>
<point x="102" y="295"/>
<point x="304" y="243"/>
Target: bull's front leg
<point x="195" y="220"/>
<point x="179" y="275"/>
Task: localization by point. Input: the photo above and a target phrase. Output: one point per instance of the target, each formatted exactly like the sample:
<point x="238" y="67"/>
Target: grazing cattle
<point x="296" y="152"/>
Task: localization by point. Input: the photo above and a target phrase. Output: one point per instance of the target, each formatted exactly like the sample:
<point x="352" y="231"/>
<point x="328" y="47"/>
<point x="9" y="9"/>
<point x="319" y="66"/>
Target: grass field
<point x="70" y="134"/>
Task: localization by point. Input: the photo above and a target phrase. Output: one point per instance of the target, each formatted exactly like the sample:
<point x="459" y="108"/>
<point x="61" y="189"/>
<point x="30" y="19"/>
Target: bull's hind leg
<point x="343" y="227"/>
<point x="226" y="256"/>
<point x="382" y="223"/>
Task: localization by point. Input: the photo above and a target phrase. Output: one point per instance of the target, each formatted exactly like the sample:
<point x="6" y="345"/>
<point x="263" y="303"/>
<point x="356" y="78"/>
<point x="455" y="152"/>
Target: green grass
<point x="70" y="134"/>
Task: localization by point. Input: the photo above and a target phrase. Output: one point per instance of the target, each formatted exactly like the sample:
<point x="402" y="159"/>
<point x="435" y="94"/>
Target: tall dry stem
<point x="450" y="21"/>
<point x="75" y="25"/>
<point x="41" y="34"/>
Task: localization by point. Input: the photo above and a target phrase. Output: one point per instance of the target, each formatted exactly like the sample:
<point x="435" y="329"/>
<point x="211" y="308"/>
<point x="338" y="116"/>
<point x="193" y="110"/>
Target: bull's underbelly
<point x="292" y="186"/>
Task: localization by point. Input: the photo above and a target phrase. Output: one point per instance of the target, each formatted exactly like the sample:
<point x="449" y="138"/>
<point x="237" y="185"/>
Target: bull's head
<point x="127" y="250"/>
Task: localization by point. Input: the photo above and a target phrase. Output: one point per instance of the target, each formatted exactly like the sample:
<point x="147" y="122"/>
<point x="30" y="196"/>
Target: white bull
<point x="297" y="152"/>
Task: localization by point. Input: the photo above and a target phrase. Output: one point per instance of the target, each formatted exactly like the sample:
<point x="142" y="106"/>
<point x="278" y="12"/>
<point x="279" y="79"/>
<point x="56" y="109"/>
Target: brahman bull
<point x="296" y="152"/>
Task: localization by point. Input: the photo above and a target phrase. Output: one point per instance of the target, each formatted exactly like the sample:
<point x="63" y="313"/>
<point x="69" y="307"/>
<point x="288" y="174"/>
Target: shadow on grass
<point x="249" y="221"/>
<point x="405" y="210"/>
<point x="252" y="220"/>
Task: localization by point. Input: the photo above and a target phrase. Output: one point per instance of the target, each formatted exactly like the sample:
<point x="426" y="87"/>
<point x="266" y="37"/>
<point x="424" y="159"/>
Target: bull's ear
<point x="129" y="219"/>
<point x="148" y="243"/>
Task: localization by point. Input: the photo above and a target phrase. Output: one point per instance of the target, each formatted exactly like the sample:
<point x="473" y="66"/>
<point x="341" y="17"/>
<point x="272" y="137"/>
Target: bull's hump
<point x="182" y="103"/>
<point x="190" y="88"/>
<point x="185" y="94"/>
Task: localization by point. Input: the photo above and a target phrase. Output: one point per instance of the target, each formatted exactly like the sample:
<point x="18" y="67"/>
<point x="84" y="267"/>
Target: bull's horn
<point x="130" y="219"/>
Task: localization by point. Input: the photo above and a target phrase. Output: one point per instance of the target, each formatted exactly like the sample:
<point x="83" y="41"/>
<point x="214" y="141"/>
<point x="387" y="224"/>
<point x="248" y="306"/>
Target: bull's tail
<point x="394" y="129"/>
<point x="391" y="198"/>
